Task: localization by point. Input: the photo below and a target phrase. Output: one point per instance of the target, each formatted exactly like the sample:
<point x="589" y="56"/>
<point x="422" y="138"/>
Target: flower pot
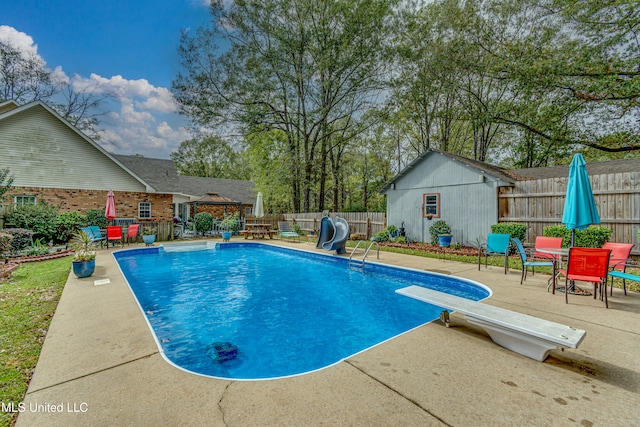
<point x="84" y="268"/>
<point x="226" y="236"/>
<point x="444" y="240"/>
<point x="148" y="239"/>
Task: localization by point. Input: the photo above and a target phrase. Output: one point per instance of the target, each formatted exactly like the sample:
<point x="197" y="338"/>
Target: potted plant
<point x="149" y="234"/>
<point x="84" y="261"/>
<point x="441" y="232"/>
<point x="228" y="226"/>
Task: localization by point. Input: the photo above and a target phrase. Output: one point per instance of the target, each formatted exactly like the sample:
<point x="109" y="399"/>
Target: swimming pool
<point x="286" y="311"/>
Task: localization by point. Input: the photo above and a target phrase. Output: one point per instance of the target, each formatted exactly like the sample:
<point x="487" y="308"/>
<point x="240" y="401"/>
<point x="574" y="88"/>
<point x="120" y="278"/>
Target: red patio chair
<point x="132" y="232"/>
<point x="620" y="253"/>
<point x="546" y="242"/>
<point x="114" y="234"/>
<point x="587" y="265"/>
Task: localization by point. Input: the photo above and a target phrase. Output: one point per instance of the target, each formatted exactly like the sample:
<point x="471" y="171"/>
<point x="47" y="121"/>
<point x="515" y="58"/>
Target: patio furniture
<point x="285" y="230"/>
<point x="620" y="253"/>
<point x="497" y="245"/>
<point x="548" y="243"/>
<point x="626" y="274"/>
<point x="133" y="232"/>
<point x="530" y="336"/>
<point x="114" y="234"/>
<point x="587" y="265"/>
<point x="95" y="235"/>
<point x="526" y="263"/>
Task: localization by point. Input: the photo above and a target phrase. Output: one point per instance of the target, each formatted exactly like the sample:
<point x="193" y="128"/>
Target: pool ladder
<point x="359" y="263"/>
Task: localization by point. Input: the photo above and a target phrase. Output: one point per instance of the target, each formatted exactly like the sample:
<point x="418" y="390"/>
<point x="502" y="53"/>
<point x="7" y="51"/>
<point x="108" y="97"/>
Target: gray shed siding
<point x="42" y="151"/>
<point x="468" y="199"/>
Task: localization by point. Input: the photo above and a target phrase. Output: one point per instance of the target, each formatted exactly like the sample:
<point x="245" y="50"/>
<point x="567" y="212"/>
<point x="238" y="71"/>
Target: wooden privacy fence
<point x="539" y="203"/>
<point x="365" y="224"/>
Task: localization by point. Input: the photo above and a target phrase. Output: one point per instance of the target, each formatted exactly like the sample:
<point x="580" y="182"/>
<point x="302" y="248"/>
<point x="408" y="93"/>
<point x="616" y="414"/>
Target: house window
<point x="431" y="205"/>
<point x="23" y="200"/>
<point x="144" y="210"/>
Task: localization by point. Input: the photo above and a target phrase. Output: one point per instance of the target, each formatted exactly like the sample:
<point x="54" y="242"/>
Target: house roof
<point x="10" y="109"/>
<point x="163" y="176"/>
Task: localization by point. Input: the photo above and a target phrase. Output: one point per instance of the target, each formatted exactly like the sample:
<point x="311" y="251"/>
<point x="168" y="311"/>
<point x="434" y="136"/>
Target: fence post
<point x="368" y="233"/>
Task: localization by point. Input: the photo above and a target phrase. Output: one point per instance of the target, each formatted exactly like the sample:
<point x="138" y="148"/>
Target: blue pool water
<point x="286" y="311"/>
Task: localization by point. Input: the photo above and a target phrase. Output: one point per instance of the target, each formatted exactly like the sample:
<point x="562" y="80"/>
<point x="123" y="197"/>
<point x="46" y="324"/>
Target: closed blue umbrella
<point x="580" y="209"/>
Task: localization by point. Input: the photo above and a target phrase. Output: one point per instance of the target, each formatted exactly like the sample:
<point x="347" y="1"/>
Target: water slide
<point x="340" y="235"/>
<point x="326" y="231"/>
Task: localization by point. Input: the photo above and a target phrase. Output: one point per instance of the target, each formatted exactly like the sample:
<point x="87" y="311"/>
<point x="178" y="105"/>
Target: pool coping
<point x="100" y="363"/>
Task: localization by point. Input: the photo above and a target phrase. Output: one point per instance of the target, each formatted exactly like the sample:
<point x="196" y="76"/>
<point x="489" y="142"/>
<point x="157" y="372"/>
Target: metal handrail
<point x="365" y="252"/>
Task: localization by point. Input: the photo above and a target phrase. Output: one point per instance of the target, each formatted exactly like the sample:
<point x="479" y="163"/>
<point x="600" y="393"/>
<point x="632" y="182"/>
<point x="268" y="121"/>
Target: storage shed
<point x="471" y="196"/>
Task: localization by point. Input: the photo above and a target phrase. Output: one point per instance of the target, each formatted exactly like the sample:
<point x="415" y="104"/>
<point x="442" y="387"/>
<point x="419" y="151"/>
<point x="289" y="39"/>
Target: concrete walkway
<point x="100" y="366"/>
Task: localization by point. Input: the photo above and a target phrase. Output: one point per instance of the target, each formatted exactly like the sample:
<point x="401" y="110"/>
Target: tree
<point x="311" y="73"/>
<point x="209" y="156"/>
<point x="24" y="78"/>
<point x="5" y="182"/>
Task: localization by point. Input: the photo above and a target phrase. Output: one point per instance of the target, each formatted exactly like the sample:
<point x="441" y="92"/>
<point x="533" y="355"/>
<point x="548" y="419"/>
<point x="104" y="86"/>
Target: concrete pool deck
<point x="100" y="366"/>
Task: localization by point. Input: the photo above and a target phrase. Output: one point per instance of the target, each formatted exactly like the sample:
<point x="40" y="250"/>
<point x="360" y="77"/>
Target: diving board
<point x="530" y="336"/>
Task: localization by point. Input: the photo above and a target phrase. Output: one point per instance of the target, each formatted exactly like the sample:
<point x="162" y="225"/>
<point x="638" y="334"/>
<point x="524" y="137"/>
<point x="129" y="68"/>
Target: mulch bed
<point x="427" y="247"/>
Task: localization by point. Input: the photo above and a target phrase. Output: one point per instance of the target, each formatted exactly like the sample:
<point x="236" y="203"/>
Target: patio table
<point x="560" y="255"/>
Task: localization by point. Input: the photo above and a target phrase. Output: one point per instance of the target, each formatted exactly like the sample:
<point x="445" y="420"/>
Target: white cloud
<point x="19" y="40"/>
<point x="129" y="124"/>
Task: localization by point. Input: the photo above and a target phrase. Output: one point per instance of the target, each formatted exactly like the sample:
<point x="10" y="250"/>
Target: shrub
<point x="203" y="222"/>
<point x="230" y="223"/>
<point x="592" y="237"/>
<point x="385" y="235"/>
<point x="96" y="217"/>
<point x="68" y="225"/>
<point x="437" y="228"/>
<point x="5" y="243"/>
<point x="511" y="228"/>
<point x="22" y="238"/>
<point x="40" y="218"/>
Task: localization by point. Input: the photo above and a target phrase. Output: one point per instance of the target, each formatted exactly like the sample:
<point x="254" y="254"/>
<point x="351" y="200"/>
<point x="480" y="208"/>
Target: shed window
<point x="23" y="200"/>
<point x="431" y="205"/>
<point x="144" y="210"/>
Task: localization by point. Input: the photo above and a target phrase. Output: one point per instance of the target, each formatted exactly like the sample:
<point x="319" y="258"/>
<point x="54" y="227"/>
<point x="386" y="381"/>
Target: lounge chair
<point x="497" y="245"/>
<point x="526" y="262"/>
<point x="285" y="230"/>
<point x="95" y="235"/>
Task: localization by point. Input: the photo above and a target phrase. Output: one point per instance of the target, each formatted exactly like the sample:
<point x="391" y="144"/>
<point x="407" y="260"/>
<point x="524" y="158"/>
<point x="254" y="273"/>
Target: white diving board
<point x="530" y="336"/>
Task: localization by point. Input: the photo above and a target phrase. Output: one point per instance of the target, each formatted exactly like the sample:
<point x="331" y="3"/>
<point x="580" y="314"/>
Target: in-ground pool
<point x="286" y="311"/>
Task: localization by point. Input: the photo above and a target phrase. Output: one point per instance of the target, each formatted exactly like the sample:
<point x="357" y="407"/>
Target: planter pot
<point x="84" y="268"/>
<point x="444" y="241"/>
<point x="148" y="239"/>
<point x="226" y="236"/>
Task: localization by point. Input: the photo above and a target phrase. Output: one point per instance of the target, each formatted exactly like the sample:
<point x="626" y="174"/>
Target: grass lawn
<point x="28" y="300"/>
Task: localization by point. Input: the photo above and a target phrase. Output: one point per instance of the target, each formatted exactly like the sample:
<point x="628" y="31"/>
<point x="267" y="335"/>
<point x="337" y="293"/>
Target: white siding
<point x="42" y="151"/>
<point x="468" y="199"/>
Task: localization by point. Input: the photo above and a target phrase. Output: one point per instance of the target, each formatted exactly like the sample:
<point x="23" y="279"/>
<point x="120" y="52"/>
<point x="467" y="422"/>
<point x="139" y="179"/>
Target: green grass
<point x="28" y="300"/>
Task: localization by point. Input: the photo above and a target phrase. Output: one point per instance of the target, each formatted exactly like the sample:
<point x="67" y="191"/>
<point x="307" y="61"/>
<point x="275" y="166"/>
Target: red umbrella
<point x="110" y="208"/>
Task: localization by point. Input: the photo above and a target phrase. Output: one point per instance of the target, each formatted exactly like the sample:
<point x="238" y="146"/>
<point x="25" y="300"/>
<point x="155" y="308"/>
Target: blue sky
<point x="127" y="46"/>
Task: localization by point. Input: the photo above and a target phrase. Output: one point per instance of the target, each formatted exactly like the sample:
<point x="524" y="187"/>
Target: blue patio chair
<point x="497" y="245"/>
<point x="96" y="237"/>
<point x="525" y="261"/>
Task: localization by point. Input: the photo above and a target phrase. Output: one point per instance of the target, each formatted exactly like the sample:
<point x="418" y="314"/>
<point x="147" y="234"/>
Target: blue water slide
<point x="340" y="236"/>
<point x="326" y="231"/>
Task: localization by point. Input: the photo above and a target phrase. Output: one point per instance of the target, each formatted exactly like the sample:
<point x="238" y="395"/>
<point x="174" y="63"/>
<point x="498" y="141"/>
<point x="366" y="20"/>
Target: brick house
<point x="51" y="160"/>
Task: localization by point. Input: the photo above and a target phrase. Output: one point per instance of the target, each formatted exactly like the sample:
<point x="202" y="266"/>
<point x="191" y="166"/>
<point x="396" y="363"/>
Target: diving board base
<point x="527" y="335"/>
